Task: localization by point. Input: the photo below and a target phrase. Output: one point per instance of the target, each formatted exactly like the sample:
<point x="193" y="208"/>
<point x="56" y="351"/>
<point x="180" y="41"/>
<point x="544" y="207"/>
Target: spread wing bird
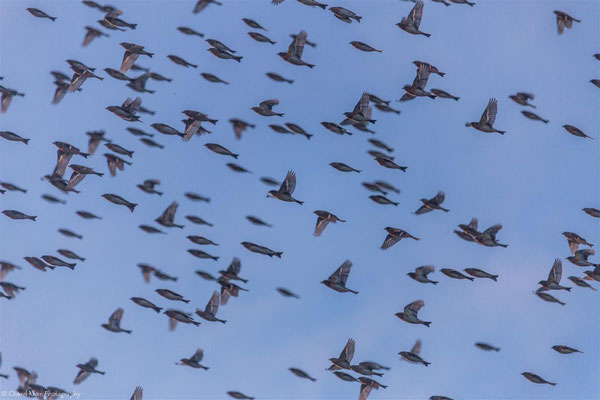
<point x="62" y="161"/>
<point x="235" y="266"/>
<point x="289" y="184"/>
<point x="75" y="179"/>
<point x="213" y="305"/>
<point x="268" y="104"/>
<point x="413" y="308"/>
<point x="422" y="77"/>
<point x="83" y="374"/>
<point x="321" y="225"/>
<point x="132" y="106"/>
<point x="197" y="357"/>
<point x="416" y="348"/>
<point x="348" y="352"/>
<point x="297" y="46"/>
<point x="489" y="115"/>
<point x="341" y="274"/>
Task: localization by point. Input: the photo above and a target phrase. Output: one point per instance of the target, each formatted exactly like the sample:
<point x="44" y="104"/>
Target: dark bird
<point x="363" y="47"/>
<point x="265" y="108"/>
<point x="575" y="240"/>
<point x="86" y="370"/>
<point x="564" y="20"/>
<point x="394" y="236"/>
<point x="410" y="313"/>
<point x="345" y="15"/>
<point x="413" y="355"/>
<point x="91" y="34"/>
<point x="432" y="204"/>
<point x="95" y="137"/>
<point x="6" y="96"/>
<point x="145" y="303"/>
<point x="217" y="148"/>
<point x="259" y="37"/>
<point x="199" y="240"/>
<point x="167" y="218"/>
<point x="575" y="131"/>
<point x="39" y="13"/>
<point x="224" y="55"/>
<point x="132" y="52"/>
<point x="294" y="52"/>
<point x="324" y="218"/>
<point x="232" y="272"/>
<point x="257" y="221"/>
<point x="171" y="295"/>
<point x="488" y="118"/>
<point x="344" y="360"/>
<point x="530" y="376"/>
<point x="301" y="374"/>
<point x="580" y="282"/>
<point x="417" y="88"/>
<point x="13" y="137"/>
<point x="255" y="248"/>
<point x="421" y="273"/>
<point x="382" y="200"/>
<point x="210" y="311"/>
<point x="452" y="273"/>
<point x="478" y="273"/>
<point x="202" y="4"/>
<point x="14" y="214"/>
<point x="565" y="349"/>
<point x="118" y="200"/>
<point x="240" y="126"/>
<point x="114" y="322"/>
<point x="114" y="163"/>
<point x="278" y="78"/>
<point x="253" y="24"/>
<point x="287" y="293"/>
<point x="194" y="361"/>
<point x="412" y="22"/>
<point x="128" y="110"/>
<point x="286" y="190"/>
<point x="553" y="281"/>
<point x="180" y="61"/>
<point x="486" y="347"/>
<point x="533" y="116"/>
<point x="343" y="167"/>
<point x="189" y="31"/>
<point x="522" y="98"/>
<point x="580" y="258"/>
<point x="148" y="186"/>
<point x="213" y="78"/>
<point x="202" y="254"/>
<point x="337" y="280"/>
<point x="443" y="94"/>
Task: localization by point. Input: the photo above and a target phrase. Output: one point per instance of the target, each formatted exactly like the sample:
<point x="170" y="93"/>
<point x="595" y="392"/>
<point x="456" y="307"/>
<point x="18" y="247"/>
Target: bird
<point x="132" y="52"/>
<point x="13" y="137"/>
<point x="137" y="393"/>
<point x="217" y="148"/>
<point x="86" y="370"/>
<point x="394" y="236"/>
<point x="343" y="167"/>
<point x="575" y="240"/>
<point x="295" y="50"/>
<point x="80" y="75"/>
<point x="478" y="273"/>
<point x="564" y="20"/>
<point x="417" y="88"/>
<point x="286" y="190"/>
<point x="194" y="361"/>
<point x="488" y="118"/>
<point x="488" y="237"/>
<point x="265" y="108"/>
<point x="202" y="4"/>
<point x="80" y="172"/>
<point x="171" y="295"/>
<point x="534" y="116"/>
<point x="337" y="280"/>
<point x="565" y="349"/>
<point x="180" y="61"/>
<point x="443" y="94"/>
<point x="287" y="293"/>
<point x="575" y="131"/>
<point x="553" y="281"/>
<point x="179" y="316"/>
<point x="301" y="374"/>
<point x="366" y="385"/>
<point x="580" y="258"/>
<point x="6" y="97"/>
<point x="324" y="218"/>
<point x="127" y="111"/>
<point x="363" y="47"/>
<point x="580" y="282"/>
<point x="413" y="355"/>
<point x="255" y="248"/>
<point x="168" y="216"/>
<point x="530" y="376"/>
<point x="118" y="200"/>
<point x="432" y="204"/>
<point x="259" y="37"/>
<point x="411" y="23"/>
<point x="345" y="15"/>
<point x="114" y="322"/>
<point x="210" y="311"/>
<point x="486" y="346"/>
<point x="146" y="303"/>
<point x="40" y="14"/>
<point x="410" y="313"/>
<point x="522" y="98"/>
<point x="343" y="361"/>
<point x="420" y="274"/>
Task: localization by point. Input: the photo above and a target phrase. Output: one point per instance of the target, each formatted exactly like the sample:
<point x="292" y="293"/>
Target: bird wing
<point x="198" y="355"/>
<point x="341" y="274"/>
<point x="112" y="167"/>
<point x="407" y="96"/>
<point x="200" y="5"/>
<point x="416" y="348"/>
<point x="362" y="105"/>
<point x="191" y="128"/>
<point x="422" y="77"/>
<point x="389" y="241"/>
<point x="584" y="253"/>
<point x="439" y="197"/>
<point x="289" y="184"/>
<point x="425" y="270"/>
<point x="6" y="98"/>
<point x="492" y="230"/>
<point x="213" y="305"/>
<point x="321" y="225"/>
<point x="414" y="307"/>
<point x="129" y="58"/>
<point x="115" y="318"/>
<point x="423" y="210"/>
<point x="297" y="46"/>
<point x="235" y="266"/>
<point x="365" y="390"/>
<point x="59" y="93"/>
<point x="414" y="18"/>
<point x="489" y="115"/>
<point x="169" y="213"/>
<point x="560" y="24"/>
<point x="268" y="104"/>
<point x="556" y="271"/>
<point x="348" y="352"/>
<point x="76" y="177"/>
<point x="62" y="160"/>
<point x="137" y="393"/>
<point x="81" y="376"/>
<point x="78" y="80"/>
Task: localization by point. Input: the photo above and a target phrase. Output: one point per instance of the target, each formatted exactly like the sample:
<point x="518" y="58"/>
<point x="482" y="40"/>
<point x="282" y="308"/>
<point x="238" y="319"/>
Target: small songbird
<point x="189" y="31"/>
<point x="233" y="393"/>
<point x="80" y="172"/>
<point x="575" y="131"/>
<point x="382" y="200"/>
<point x="388" y="163"/>
<point x="115" y="162"/>
<point x="478" y="273"/>
<point x="39" y="13"/>
<point x="394" y="236"/>
<point x="343" y="167"/>
<point x="232" y="272"/>
<point x="486" y="347"/>
<point x="80" y="75"/>
<point x="7" y="95"/>
<point x="145" y="303"/>
<point x="202" y="4"/>
<point x="324" y="218"/>
<point x="128" y="110"/>
<point x="359" y="114"/>
<point x="200" y="240"/>
<point x="443" y="94"/>
<point x="114" y="322"/>
<point x="179" y="316"/>
<point x="432" y="204"/>
<point x="213" y="78"/>
<point x="13" y="137"/>
<point x="488" y="237"/>
<point x="86" y="370"/>
<point x="220" y="46"/>
<point x="413" y="355"/>
<point x="366" y="385"/>
<point x="410" y="313"/>
<point x="337" y="280"/>
<point x="259" y="37"/>
<point x="210" y="311"/>
<point x="202" y="254"/>
<point x="343" y="361"/>
<point x="112" y="18"/>
<point x="575" y="240"/>
<point x="286" y="190"/>
<point x="301" y="374"/>
<point x="265" y="108"/>
<point x="488" y="118"/>
<point x="564" y="20"/>
<point x="167" y="217"/>
<point x="240" y="126"/>
<point x="363" y="47"/>
<point x="295" y="50"/>
<point x="344" y="14"/>
<point x="180" y="61"/>
<point x="522" y="98"/>
<point x="132" y="52"/>
<point x="278" y="78"/>
<point x="580" y="282"/>
<point x="565" y="349"/>
<point x="430" y="68"/>
<point x="533" y="116"/>
<point x="118" y="200"/>
<point x="257" y="221"/>
<point x="417" y="88"/>
<point x="197" y="220"/>
<point x="548" y="297"/>
<point x="57" y="262"/>
<point x="148" y="186"/>
<point x="452" y="273"/>
<point x="194" y="361"/>
<point x="420" y="274"/>
<point x="411" y="22"/>
<point x="593" y="275"/>
<point x="171" y="295"/>
<point x="95" y="137"/>
<point x="137" y="393"/>
<point x="253" y="24"/>
<point x="14" y="214"/>
<point x="255" y="248"/>
<point x="335" y="128"/>
<point x="553" y="281"/>
<point x="530" y="376"/>
<point x="580" y="258"/>
<point x="224" y="55"/>
<point x="217" y="148"/>
<point x="287" y="293"/>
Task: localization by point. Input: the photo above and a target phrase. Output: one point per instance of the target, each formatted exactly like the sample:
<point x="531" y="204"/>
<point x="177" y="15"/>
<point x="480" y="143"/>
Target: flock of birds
<point x="360" y="118"/>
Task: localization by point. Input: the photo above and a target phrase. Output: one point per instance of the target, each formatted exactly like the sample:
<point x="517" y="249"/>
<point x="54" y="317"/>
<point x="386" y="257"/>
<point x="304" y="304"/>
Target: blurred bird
<point x="202" y="254"/>
<point x="575" y="240"/>
<point x="137" y="393"/>
<point x="278" y="78"/>
<point x="180" y="61"/>
<point x="86" y="370"/>
<point x="410" y="313"/>
<point x="553" y="281"/>
<point x="127" y="110"/>
<point x="132" y="52"/>
<point x="91" y="34"/>
<point x="565" y="349"/>
<point x="486" y="347"/>
<point x="255" y="248"/>
<point x="366" y="385"/>
<point x="522" y="98"/>
<point x="225" y="55"/>
<point x="118" y="200"/>
<point x="240" y="126"/>
<point x="6" y="97"/>
<point x="417" y="88"/>
<point x="171" y="295"/>
<point x="573" y="130"/>
<point x="115" y="162"/>
<point x="167" y="217"/>
<point x="344" y="14"/>
<point x="443" y="94"/>
<point x="39" y="13"/>
<point x="210" y="311"/>
<point x="217" y="148"/>
<point x="239" y="395"/>
<point x="194" y="361"/>
<point x="421" y="273"/>
<point x="343" y="361"/>
<point x="178" y="316"/>
<point x="432" y="204"/>
<point x="145" y="303"/>
<point x="452" y="273"/>
<point x="337" y="280"/>
<point x="80" y="75"/>
<point x="535" y="378"/>
<point x="301" y="374"/>
<point x="580" y="258"/>
<point x="189" y="31"/>
<point x="114" y="322"/>
<point x="580" y="282"/>
<point x="253" y="24"/>
<point x="343" y="167"/>
<point x="112" y="18"/>
<point x="564" y="20"/>
<point x="547" y="297"/>
<point x="14" y="214"/>
<point x="287" y="293"/>
<point x="95" y="137"/>
<point x="148" y="186"/>
<point x="324" y="218"/>
<point x="13" y="137"/>
<point x="265" y="108"/>
<point x="533" y="116"/>
<point x="259" y="37"/>
<point x="413" y="355"/>
<point x="295" y="50"/>
<point x="202" y="4"/>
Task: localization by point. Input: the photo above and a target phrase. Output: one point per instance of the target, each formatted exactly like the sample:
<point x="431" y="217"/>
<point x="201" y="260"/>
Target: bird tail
<point x="186" y="301"/>
<point x="427" y="323"/>
<point x="85" y="155"/>
<point x="358" y="18"/>
<point x="132" y="26"/>
<point x="501" y="132"/>
<point x="157" y="309"/>
<point x="323" y="6"/>
<point x="299" y="202"/>
<point x="53" y="19"/>
<point x="235" y="156"/>
<point x="193" y="66"/>
<point x="426" y="363"/>
<point x="552" y="383"/>
<point x="403" y="169"/>
<point x="495" y="278"/>
<point x="126" y="331"/>
<point x="427" y="34"/>
<point x="196" y="323"/>
<point x="26" y="141"/>
<point x="238" y="59"/>
<point x="435" y="282"/>
<point x="131" y="207"/>
<point x="471" y="279"/>
<point x="33" y="218"/>
<point x="278" y="254"/>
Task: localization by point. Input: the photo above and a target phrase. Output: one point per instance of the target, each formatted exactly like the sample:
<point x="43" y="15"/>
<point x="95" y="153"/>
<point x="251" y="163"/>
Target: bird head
<point x="272" y="193"/>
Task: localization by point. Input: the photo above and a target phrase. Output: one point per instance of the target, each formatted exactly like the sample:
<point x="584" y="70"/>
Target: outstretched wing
<point x="489" y="115"/>
<point x="414" y="18"/>
<point x="389" y="241"/>
<point x="213" y="305"/>
<point x="348" y="352"/>
<point x="268" y="104"/>
<point x="556" y="271"/>
<point x="289" y="184"/>
<point x="439" y="198"/>
<point x="169" y="213"/>
<point x="115" y="318"/>
<point x="129" y="58"/>
<point x="416" y="348"/>
<point x="235" y="266"/>
<point x="320" y="227"/>
<point x="137" y="394"/>
<point x="341" y="274"/>
<point x="422" y="77"/>
<point x="414" y="307"/>
<point x="425" y="270"/>
<point x="297" y="46"/>
<point x="198" y="355"/>
<point x="76" y="178"/>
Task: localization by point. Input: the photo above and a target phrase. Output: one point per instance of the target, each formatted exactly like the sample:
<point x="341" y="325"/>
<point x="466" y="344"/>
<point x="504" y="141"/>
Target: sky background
<point x="534" y="180"/>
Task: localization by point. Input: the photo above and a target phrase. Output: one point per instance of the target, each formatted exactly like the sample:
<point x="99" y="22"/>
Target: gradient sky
<point x="534" y="180"/>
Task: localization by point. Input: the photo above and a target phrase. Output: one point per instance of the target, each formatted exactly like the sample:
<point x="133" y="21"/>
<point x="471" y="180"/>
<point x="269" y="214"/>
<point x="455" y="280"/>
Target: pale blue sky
<point x="534" y="180"/>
